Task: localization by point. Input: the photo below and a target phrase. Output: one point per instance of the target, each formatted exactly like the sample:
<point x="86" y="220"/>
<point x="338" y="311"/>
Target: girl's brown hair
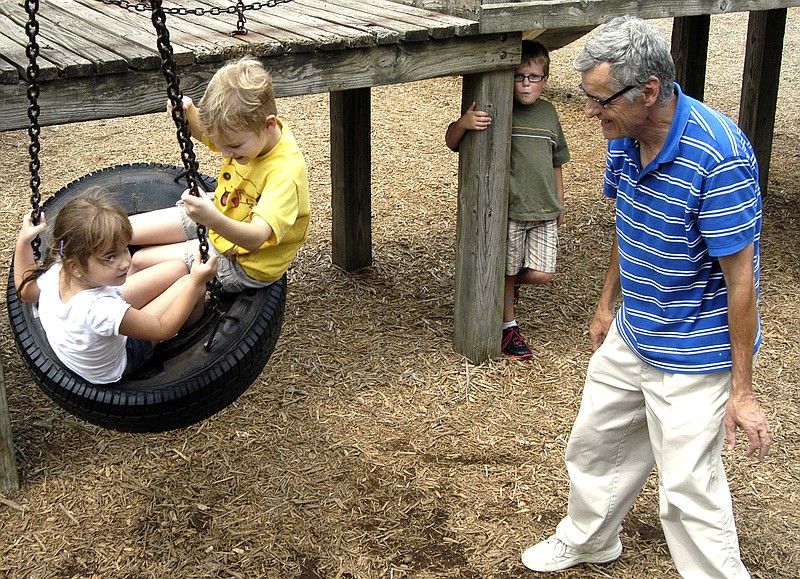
<point x="86" y="226"/>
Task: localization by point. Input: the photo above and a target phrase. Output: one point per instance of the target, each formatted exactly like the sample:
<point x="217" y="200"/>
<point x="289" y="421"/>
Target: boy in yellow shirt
<point x="259" y="214"/>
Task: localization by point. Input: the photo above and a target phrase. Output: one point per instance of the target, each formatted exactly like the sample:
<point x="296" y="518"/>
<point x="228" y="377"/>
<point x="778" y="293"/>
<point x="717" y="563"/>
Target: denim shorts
<point x="229" y="273"/>
<point x="138" y="352"/>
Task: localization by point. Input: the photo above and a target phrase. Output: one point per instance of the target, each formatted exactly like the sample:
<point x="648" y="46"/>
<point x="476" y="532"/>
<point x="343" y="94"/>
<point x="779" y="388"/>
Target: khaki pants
<point x="633" y="416"/>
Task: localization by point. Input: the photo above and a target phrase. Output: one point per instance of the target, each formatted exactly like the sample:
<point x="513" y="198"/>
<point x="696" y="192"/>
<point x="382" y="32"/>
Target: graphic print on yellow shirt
<point x="273" y="186"/>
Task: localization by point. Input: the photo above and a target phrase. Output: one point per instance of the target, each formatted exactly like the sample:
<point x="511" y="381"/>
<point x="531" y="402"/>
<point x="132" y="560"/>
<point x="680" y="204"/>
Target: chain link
<point x="176" y="104"/>
<point x="239" y="9"/>
<point x="34" y="130"/>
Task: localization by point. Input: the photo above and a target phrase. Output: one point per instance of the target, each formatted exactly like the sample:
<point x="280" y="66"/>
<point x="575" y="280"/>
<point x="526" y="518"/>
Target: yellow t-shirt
<point x="273" y="186"/>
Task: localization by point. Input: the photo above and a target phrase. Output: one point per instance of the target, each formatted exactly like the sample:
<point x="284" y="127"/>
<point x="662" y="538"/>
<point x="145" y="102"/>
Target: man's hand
<point x="598" y="329"/>
<point x="745" y="412"/>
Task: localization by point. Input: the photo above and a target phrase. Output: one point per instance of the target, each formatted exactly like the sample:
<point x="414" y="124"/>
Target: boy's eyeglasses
<point x="532" y="78"/>
<point x="603" y="103"/>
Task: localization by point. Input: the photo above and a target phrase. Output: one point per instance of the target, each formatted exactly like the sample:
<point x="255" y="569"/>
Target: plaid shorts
<point x="532" y="245"/>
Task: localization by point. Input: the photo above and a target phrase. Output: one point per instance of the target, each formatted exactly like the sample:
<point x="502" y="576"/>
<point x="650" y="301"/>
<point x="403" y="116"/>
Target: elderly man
<point x="671" y="377"/>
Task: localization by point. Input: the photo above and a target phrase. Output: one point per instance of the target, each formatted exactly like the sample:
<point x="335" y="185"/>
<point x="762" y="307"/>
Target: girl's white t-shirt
<point x="84" y="331"/>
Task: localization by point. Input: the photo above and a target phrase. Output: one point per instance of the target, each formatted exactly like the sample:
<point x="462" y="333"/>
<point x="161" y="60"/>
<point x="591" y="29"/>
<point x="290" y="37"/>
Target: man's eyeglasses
<point x="603" y="103"/>
<point x="532" y="78"/>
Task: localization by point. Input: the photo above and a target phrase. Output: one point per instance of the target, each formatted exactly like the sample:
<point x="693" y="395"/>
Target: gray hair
<point x="636" y="51"/>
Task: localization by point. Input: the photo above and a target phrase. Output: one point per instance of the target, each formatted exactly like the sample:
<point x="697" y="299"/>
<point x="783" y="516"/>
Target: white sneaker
<point x="553" y="555"/>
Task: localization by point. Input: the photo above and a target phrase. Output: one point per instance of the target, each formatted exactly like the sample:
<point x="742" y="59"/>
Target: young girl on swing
<point x="101" y="322"/>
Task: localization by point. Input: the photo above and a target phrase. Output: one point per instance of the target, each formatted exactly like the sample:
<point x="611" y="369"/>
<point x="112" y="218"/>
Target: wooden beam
<point x="555" y="38"/>
<point x="351" y="192"/>
<point x="144" y="92"/>
<point x="483" y="165"/>
<point x="690" y="53"/>
<point x="9" y="480"/>
<point x="762" y="69"/>
<point x="520" y="16"/>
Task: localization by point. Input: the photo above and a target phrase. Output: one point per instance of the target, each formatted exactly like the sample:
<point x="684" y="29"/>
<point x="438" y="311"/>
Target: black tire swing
<point x="192" y="376"/>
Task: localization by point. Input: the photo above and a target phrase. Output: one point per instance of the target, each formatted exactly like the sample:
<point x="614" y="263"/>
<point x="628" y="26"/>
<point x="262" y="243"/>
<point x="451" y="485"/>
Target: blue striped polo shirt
<point x="698" y="200"/>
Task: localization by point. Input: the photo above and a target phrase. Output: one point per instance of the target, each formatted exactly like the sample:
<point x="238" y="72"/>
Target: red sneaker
<point x="514" y="345"/>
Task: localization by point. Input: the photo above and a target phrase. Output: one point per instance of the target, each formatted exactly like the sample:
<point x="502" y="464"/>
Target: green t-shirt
<point x="537" y="146"/>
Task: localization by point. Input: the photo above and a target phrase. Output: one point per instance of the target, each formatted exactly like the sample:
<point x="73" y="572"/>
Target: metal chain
<point x="176" y="104"/>
<point x="240" y="29"/>
<point x="184" y="136"/>
<point x="34" y="130"/>
<point x="239" y="9"/>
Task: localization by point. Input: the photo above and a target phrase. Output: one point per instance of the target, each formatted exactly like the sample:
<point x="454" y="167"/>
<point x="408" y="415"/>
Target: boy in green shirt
<point x="536" y="187"/>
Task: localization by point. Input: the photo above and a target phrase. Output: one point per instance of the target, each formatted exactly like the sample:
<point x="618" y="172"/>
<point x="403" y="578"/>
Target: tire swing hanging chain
<point x="187" y="150"/>
<point x="173" y="92"/>
<point x="175" y="97"/>
<point x="239" y="9"/>
<point x="34" y="130"/>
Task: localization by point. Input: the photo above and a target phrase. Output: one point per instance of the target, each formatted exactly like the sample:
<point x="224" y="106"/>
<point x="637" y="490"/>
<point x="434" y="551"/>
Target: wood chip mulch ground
<point x="368" y="448"/>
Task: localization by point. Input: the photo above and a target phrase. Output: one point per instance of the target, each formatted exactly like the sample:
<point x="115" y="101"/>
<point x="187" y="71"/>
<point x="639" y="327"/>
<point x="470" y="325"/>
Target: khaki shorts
<point x="531" y="245"/>
<point x="230" y="274"/>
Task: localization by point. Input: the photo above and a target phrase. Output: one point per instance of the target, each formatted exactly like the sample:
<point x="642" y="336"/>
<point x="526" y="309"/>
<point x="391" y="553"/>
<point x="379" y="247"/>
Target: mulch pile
<point x="367" y="447"/>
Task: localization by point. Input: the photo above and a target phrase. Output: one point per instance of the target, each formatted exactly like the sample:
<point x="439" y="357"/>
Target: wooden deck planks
<point x="411" y="21"/>
<point x="210" y="38"/>
<point x="325" y="35"/>
<point x="63" y="29"/>
<point x="327" y="12"/>
<point x="200" y="44"/>
<point x="12" y="47"/>
<point x="323" y="11"/>
<point x="66" y="61"/>
<point x="115" y="22"/>
<point x="441" y="25"/>
<point x="284" y="33"/>
<point x="8" y="72"/>
<point x="136" y="49"/>
<point x="84" y="38"/>
<point x="351" y="18"/>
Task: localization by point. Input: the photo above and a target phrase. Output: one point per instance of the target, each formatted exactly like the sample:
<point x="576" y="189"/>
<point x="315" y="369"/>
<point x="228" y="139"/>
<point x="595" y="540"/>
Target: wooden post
<point x="762" y="69"/>
<point x="482" y="218"/>
<point x="690" y="53"/>
<point x="8" y="464"/>
<point x="351" y="162"/>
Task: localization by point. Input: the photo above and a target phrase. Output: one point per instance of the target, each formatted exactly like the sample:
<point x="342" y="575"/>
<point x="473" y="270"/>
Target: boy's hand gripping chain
<point x="187" y="149"/>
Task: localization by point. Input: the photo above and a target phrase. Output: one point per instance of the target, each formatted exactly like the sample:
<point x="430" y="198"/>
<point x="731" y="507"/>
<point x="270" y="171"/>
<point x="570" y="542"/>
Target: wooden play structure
<point x="99" y="60"/>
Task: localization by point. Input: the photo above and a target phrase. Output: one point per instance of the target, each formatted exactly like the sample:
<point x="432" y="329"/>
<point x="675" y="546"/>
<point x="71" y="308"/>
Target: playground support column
<point x="482" y="216"/>
<point x="8" y="465"/>
<point x="762" y="69"/>
<point x="690" y="52"/>
<point x="351" y="161"/>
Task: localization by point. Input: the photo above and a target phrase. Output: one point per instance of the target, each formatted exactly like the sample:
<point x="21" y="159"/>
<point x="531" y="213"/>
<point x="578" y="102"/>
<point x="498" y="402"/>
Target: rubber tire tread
<point x="184" y="384"/>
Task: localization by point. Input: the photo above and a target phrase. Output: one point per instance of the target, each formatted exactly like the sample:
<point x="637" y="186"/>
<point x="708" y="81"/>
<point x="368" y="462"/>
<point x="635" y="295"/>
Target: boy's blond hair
<point x="238" y="98"/>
